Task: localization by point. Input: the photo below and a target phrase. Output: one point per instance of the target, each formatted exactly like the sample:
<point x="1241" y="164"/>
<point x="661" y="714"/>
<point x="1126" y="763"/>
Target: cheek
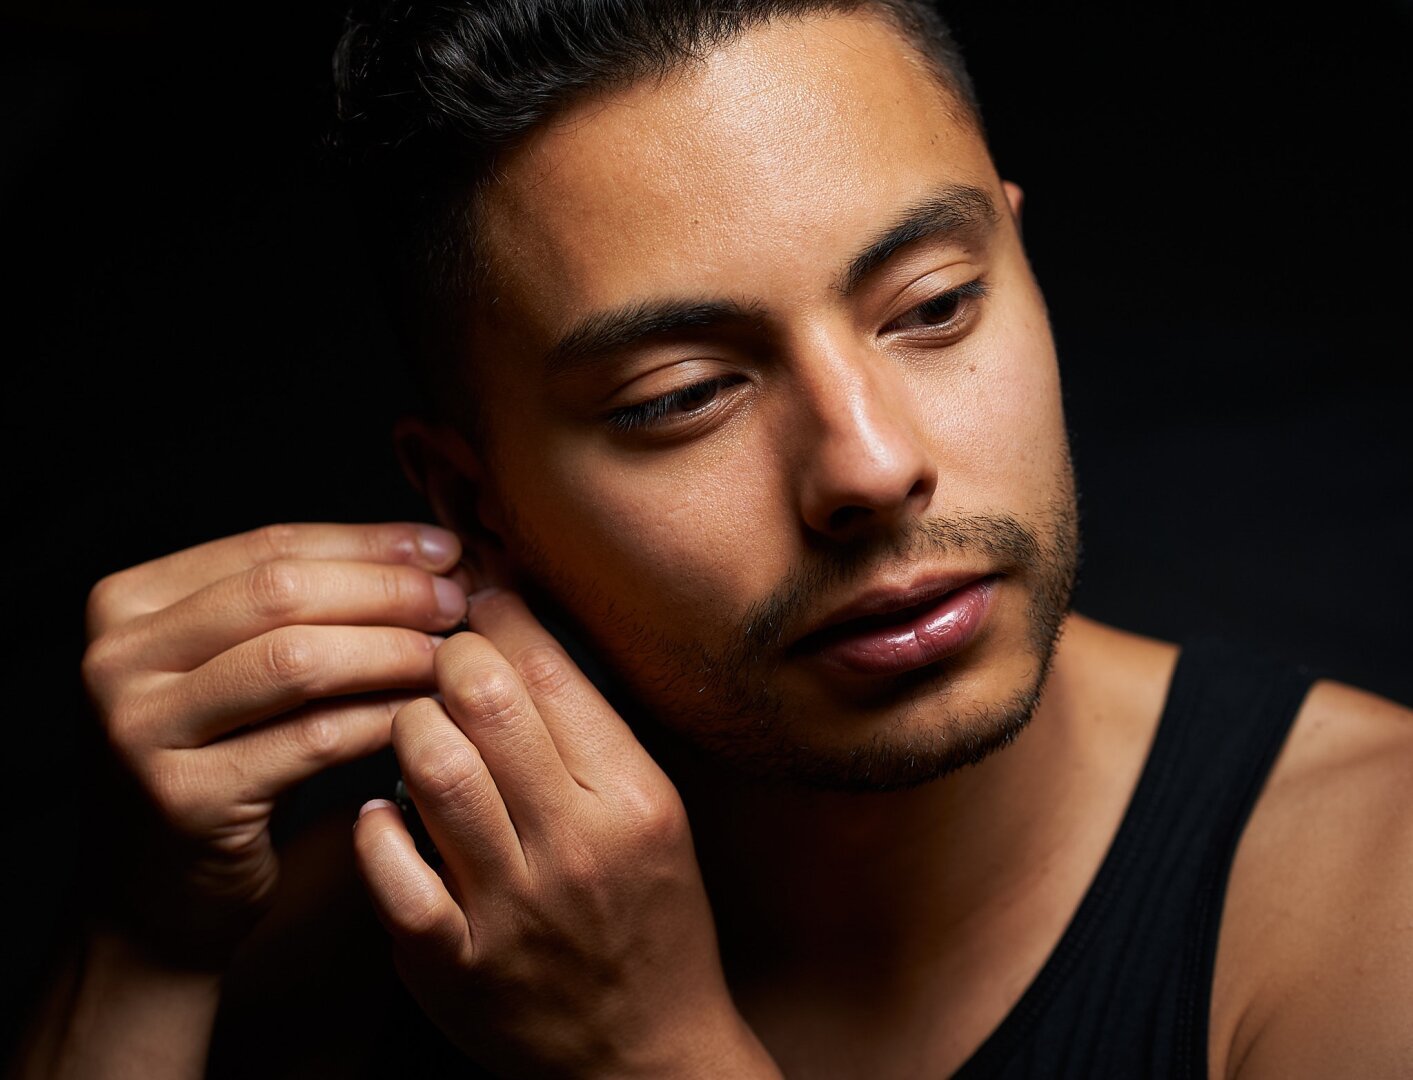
<point x="670" y="541"/>
<point x="997" y="419"/>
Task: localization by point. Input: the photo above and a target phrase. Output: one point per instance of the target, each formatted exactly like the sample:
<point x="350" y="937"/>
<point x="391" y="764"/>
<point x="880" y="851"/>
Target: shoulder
<point x="1314" y="970"/>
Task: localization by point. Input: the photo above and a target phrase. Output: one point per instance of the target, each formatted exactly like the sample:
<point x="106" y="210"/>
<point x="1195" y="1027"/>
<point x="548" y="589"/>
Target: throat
<point x="918" y="918"/>
<point x="902" y="944"/>
<point x="862" y="889"/>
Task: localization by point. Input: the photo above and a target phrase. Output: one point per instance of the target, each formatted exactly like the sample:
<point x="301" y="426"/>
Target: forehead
<point x="738" y="174"/>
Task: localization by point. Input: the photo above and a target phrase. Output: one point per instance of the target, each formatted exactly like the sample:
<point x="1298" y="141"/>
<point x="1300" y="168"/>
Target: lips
<point x="890" y="632"/>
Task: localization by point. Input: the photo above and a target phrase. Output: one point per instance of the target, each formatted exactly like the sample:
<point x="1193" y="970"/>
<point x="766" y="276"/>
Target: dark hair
<point x="429" y="93"/>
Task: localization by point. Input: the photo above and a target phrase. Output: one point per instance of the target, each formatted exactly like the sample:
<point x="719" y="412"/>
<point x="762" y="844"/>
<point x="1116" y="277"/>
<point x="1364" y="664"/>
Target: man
<point x="744" y="378"/>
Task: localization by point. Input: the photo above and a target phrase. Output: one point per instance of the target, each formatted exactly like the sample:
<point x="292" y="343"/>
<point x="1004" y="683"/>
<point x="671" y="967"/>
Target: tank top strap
<point x="1126" y="990"/>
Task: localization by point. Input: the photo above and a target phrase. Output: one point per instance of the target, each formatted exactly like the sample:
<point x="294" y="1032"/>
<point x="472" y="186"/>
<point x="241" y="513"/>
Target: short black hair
<point x="429" y="93"/>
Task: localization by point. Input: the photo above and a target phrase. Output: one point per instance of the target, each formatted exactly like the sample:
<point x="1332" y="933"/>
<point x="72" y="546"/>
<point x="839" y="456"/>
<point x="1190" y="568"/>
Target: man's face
<point x="729" y="401"/>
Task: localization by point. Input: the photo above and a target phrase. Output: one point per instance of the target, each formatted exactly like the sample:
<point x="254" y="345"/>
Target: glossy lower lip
<point x="921" y="636"/>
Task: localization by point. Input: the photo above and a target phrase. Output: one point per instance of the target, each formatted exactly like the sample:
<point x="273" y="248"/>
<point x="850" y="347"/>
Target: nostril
<point x="845" y="516"/>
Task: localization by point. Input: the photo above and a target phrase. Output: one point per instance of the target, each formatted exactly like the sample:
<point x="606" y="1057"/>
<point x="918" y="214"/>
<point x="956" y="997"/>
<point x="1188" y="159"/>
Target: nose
<point x="865" y="463"/>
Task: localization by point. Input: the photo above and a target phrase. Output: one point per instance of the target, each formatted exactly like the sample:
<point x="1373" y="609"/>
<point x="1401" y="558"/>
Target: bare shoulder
<point x="1315" y="963"/>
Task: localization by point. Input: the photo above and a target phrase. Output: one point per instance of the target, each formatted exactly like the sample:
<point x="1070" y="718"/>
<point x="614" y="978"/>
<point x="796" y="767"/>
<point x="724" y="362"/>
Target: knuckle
<point x="543" y="669"/>
<point x="172" y="791"/>
<point x="490" y="695"/>
<point x="402" y="590"/>
<point x="422" y="919"/>
<point x="171" y="803"/>
<point x="277" y="587"/>
<point x="653" y="814"/>
<point x="103" y="601"/>
<point x="445" y="773"/>
<point x="120" y="726"/>
<point x="290" y="660"/>
<point x="99" y="666"/>
<point x="319" y="736"/>
<point x="278" y="541"/>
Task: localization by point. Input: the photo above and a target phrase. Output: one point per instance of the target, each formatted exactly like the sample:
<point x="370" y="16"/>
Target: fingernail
<point x="482" y="594"/>
<point x="372" y="804"/>
<point x="451" y="601"/>
<point x="435" y="639"/>
<point x="438" y="545"/>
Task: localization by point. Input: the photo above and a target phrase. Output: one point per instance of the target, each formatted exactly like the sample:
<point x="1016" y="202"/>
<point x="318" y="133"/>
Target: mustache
<point x="1007" y="544"/>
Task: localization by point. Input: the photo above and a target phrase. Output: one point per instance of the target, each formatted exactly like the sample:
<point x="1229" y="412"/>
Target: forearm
<point x="124" y="1014"/>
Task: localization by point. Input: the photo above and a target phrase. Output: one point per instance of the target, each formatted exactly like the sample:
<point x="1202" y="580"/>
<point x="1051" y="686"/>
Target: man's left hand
<point x="569" y="930"/>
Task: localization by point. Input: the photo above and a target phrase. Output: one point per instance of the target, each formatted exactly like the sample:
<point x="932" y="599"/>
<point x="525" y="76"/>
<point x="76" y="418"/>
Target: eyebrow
<point x="952" y="212"/>
<point x="606" y="332"/>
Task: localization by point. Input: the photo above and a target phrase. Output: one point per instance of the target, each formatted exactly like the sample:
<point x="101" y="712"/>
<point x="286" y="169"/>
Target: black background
<point x="1216" y="211"/>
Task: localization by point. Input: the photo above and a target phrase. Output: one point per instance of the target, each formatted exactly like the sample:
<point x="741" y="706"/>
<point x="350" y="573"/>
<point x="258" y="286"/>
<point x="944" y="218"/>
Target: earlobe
<point x="448" y="472"/>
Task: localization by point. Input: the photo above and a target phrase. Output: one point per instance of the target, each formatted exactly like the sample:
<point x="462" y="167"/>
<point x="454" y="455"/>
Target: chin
<point x="893" y="761"/>
<point x="938" y="722"/>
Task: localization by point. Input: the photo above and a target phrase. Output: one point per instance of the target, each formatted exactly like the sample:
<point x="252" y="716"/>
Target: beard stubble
<point x="722" y="702"/>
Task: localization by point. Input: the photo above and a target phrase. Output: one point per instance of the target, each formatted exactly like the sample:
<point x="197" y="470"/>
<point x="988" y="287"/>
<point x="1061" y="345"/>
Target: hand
<point x="569" y="932"/>
<point x="221" y="677"/>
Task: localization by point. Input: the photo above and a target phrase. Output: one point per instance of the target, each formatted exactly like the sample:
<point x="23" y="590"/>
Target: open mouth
<point x="905" y="638"/>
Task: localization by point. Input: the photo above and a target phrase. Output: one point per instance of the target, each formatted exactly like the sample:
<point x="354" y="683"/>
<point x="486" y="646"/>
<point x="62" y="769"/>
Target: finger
<point x="161" y="582"/>
<point x="591" y="738"/>
<point x="287" y="592"/>
<point x="486" y="698"/>
<point x="410" y="899"/>
<point x="464" y="577"/>
<point x="456" y="796"/>
<point x="272" y="758"/>
<point x="280" y="671"/>
<point x="459" y="806"/>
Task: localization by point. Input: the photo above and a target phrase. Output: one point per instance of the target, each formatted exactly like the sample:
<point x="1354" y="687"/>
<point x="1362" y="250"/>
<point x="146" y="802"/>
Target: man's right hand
<point x="222" y="676"/>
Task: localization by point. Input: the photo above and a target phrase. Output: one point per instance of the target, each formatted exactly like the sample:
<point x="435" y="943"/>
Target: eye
<point x="948" y="312"/>
<point x="671" y="407"/>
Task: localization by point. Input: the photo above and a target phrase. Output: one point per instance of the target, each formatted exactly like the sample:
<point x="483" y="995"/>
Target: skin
<point x="569" y="862"/>
<point x="873" y="422"/>
<point x="755" y="175"/>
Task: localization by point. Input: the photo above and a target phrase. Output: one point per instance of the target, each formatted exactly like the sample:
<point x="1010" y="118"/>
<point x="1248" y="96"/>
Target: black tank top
<point x="1126" y="991"/>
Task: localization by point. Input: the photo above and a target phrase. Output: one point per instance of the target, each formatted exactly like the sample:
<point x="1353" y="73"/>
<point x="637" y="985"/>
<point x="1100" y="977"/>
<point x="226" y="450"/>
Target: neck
<point x="870" y="889"/>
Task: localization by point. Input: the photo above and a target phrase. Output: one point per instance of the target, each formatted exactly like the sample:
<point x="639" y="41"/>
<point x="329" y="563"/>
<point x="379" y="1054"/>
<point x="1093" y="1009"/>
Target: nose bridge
<point x="854" y="402"/>
<point x="865" y="454"/>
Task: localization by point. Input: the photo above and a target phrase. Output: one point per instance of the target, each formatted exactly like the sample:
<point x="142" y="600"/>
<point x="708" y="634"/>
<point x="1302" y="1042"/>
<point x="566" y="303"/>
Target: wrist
<point x="736" y="1053"/>
<point x="115" y="954"/>
<point x="137" y="1014"/>
<point x="706" y="1051"/>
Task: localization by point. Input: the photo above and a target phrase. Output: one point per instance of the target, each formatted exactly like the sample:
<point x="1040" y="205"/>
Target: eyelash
<point x="656" y="411"/>
<point x="975" y="289"/>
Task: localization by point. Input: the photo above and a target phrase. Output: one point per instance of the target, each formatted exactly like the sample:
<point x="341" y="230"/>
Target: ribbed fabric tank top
<point x="1126" y="991"/>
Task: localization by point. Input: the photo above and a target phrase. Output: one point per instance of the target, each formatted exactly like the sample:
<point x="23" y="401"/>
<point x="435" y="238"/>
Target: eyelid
<point x="686" y="369"/>
<point x="974" y="290"/>
<point x="652" y="414"/>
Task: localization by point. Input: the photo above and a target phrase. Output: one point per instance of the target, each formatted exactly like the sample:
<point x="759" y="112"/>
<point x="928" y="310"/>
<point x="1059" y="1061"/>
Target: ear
<point x="449" y="473"/>
<point x="1015" y="196"/>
